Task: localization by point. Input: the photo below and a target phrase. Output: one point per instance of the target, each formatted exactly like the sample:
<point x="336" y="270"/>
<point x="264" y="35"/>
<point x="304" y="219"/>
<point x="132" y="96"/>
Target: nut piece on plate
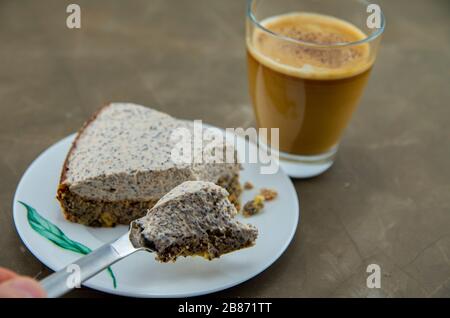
<point x="254" y="206"/>
<point x="248" y="185"/>
<point x="268" y="194"/>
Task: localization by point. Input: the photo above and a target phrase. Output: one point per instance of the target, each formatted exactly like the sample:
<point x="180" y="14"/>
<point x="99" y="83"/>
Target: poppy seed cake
<point x="120" y="165"/>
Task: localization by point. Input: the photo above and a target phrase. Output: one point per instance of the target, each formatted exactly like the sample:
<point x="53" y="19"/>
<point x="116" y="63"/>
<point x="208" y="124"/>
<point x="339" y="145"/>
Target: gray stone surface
<point x="385" y="201"/>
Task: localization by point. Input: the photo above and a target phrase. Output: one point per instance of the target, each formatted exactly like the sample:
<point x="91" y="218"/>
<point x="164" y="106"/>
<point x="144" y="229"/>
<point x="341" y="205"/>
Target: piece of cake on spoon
<point x="195" y="218"/>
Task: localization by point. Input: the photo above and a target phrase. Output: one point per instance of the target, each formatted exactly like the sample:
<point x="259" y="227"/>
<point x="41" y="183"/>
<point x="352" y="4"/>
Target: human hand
<point x="13" y="285"/>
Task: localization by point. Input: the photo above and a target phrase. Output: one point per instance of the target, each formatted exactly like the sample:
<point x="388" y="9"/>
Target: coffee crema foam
<point x="307" y="60"/>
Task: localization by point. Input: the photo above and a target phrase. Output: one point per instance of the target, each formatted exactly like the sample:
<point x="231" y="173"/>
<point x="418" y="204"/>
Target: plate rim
<point x="119" y="292"/>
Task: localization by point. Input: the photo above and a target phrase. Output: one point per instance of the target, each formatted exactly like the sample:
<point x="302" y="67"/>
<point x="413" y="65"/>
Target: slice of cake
<point x="195" y="218"/>
<point x="120" y="165"/>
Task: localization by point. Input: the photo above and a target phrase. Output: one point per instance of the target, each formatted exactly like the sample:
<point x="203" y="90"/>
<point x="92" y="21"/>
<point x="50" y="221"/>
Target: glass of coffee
<point x="308" y="64"/>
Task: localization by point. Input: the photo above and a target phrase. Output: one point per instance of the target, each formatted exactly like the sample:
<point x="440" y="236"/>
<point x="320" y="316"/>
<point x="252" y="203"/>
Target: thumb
<point x="21" y="287"/>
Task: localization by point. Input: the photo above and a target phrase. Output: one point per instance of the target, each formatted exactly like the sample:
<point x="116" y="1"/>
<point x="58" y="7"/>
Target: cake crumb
<point x="235" y="201"/>
<point x="254" y="206"/>
<point x="268" y="194"/>
<point x="248" y="185"/>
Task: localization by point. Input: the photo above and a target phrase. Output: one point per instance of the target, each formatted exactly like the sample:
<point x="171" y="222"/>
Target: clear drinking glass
<point x="308" y="64"/>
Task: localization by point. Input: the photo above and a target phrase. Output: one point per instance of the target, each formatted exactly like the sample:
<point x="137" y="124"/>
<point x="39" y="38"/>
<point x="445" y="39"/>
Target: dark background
<point x="385" y="201"/>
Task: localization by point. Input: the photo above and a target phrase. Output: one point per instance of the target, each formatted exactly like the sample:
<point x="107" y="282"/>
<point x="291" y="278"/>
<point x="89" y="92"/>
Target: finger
<point x="6" y="274"/>
<point x="21" y="287"/>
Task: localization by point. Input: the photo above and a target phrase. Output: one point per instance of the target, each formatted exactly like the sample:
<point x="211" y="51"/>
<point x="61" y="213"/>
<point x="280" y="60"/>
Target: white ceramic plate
<point x="140" y="275"/>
